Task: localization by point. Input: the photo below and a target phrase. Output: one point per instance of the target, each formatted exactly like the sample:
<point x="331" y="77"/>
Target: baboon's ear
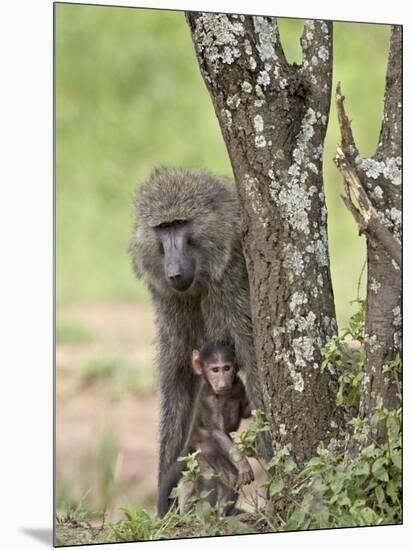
<point x="196" y="363"/>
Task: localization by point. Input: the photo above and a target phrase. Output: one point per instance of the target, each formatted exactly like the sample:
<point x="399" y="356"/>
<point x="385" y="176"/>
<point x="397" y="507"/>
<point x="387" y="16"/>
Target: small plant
<point x="142" y="525"/>
<point x="212" y="518"/>
<point x="394" y="368"/>
<point x="246" y="442"/>
<point x="345" y="353"/>
<point x="75" y="514"/>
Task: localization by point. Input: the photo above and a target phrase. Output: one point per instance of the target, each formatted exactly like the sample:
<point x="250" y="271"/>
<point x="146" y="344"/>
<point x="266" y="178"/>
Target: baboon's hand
<point x="245" y="472"/>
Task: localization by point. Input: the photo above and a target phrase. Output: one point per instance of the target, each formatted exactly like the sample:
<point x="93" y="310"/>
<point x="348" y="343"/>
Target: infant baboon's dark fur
<point x="219" y="406"/>
<point x="187" y="246"/>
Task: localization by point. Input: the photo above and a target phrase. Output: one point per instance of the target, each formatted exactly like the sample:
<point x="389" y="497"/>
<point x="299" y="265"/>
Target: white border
<point x="26" y="270"/>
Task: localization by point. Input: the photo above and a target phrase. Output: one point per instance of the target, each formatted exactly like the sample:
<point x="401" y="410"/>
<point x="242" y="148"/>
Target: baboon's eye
<point x="160" y="248"/>
<point x="215" y="369"/>
<point x="227" y="368"/>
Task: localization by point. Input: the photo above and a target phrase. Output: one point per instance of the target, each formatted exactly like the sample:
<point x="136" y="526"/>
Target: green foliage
<point x="331" y="490"/>
<point x="211" y="518"/>
<point x="246" y="442"/>
<point x="201" y="518"/>
<point x="340" y="491"/>
<point x="337" y="491"/>
<point x="74" y="513"/>
<point x="346" y="354"/>
<point x="142" y="525"/>
<point x="394" y="368"/>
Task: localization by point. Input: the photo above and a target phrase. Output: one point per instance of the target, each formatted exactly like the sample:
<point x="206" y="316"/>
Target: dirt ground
<point x="98" y="416"/>
<point x="107" y="412"/>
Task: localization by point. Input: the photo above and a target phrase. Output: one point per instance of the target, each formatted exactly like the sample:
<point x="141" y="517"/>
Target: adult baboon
<point x="187" y="246"/>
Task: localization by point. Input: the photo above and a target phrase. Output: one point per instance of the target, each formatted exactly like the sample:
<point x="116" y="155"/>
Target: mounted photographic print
<point x="228" y="274"/>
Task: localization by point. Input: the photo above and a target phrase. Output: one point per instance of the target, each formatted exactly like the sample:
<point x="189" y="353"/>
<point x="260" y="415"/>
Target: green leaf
<point x="379" y="494"/>
<point x="276" y="486"/>
<point x="290" y="465"/>
<point x="322" y="514"/>
<point x="273" y="462"/>
<point x="203" y="510"/>
<point x="343" y="500"/>
<point x="296" y="520"/>
<point x="361" y="469"/>
<point x="368" y="515"/>
<point x="237" y="526"/>
<point x="337" y="483"/>
<point x="397" y="459"/>
<point x="370" y="451"/>
<point x="378" y="469"/>
<point x="393" y="428"/>
<point x="381" y="474"/>
<point x="392" y="490"/>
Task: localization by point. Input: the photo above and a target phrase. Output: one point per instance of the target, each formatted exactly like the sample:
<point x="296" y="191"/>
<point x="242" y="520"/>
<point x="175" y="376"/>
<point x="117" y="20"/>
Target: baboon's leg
<point x="210" y="485"/>
<point x="177" y="394"/>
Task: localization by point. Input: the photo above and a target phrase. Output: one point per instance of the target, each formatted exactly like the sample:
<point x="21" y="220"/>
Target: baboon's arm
<point x="230" y="449"/>
<point x="225" y="443"/>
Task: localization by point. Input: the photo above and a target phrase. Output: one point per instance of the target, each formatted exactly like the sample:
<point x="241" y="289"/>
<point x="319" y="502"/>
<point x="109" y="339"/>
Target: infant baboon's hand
<point x="245" y="472"/>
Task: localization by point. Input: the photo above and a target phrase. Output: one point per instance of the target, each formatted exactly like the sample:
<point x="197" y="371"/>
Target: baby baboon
<point x="220" y="405"/>
<point x="187" y="246"/>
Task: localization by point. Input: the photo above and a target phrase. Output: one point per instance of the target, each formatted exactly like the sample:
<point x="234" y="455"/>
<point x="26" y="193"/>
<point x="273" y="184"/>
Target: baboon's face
<point x="220" y="373"/>
<point x="174" y="241"/>
<point x="219" y="370"/>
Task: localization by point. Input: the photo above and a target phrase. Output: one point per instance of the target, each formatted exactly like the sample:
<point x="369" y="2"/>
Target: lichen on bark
<point x="379" y="178"/>
<point x="275" y="142"/>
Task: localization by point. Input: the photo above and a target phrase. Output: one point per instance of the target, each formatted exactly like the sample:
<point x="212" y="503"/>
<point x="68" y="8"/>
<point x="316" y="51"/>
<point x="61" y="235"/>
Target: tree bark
<point x="378" y="215"/>
<point x="273" y="117"/>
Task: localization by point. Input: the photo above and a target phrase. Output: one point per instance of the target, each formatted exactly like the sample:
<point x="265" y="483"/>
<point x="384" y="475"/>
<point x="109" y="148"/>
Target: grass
<point x="117" y="374"/>
<point x="130" y="97"/>
<point x="99" y="485"/>
<point x="72" y="333"/>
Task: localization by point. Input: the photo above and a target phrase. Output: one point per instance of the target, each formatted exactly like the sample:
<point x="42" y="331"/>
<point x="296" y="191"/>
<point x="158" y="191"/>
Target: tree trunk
<point x="273" y="117"/>
<point x="378" y="214"/>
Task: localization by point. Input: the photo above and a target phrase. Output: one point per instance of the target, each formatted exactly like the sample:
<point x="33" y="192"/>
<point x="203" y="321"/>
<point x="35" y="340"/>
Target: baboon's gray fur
<point x="216" y="307"/>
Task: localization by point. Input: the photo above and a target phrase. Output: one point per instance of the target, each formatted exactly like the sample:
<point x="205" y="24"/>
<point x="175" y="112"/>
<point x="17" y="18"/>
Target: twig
<point x="359" y="281"/>
<point x="347" y="140"/>
<point x="366" y="216"/>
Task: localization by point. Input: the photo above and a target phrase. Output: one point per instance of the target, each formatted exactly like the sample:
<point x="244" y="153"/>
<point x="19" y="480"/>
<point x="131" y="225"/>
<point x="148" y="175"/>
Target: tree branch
<point x="391" y="129"/>
<point x="366" y="216"/>
<point x="273" y="118"/>
<point x="348" y="144"/>
<point x="317" y="47"/>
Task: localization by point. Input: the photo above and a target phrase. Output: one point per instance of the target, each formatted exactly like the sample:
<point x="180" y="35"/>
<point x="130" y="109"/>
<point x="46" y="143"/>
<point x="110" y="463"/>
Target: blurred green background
<point x="130" y="97"/>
